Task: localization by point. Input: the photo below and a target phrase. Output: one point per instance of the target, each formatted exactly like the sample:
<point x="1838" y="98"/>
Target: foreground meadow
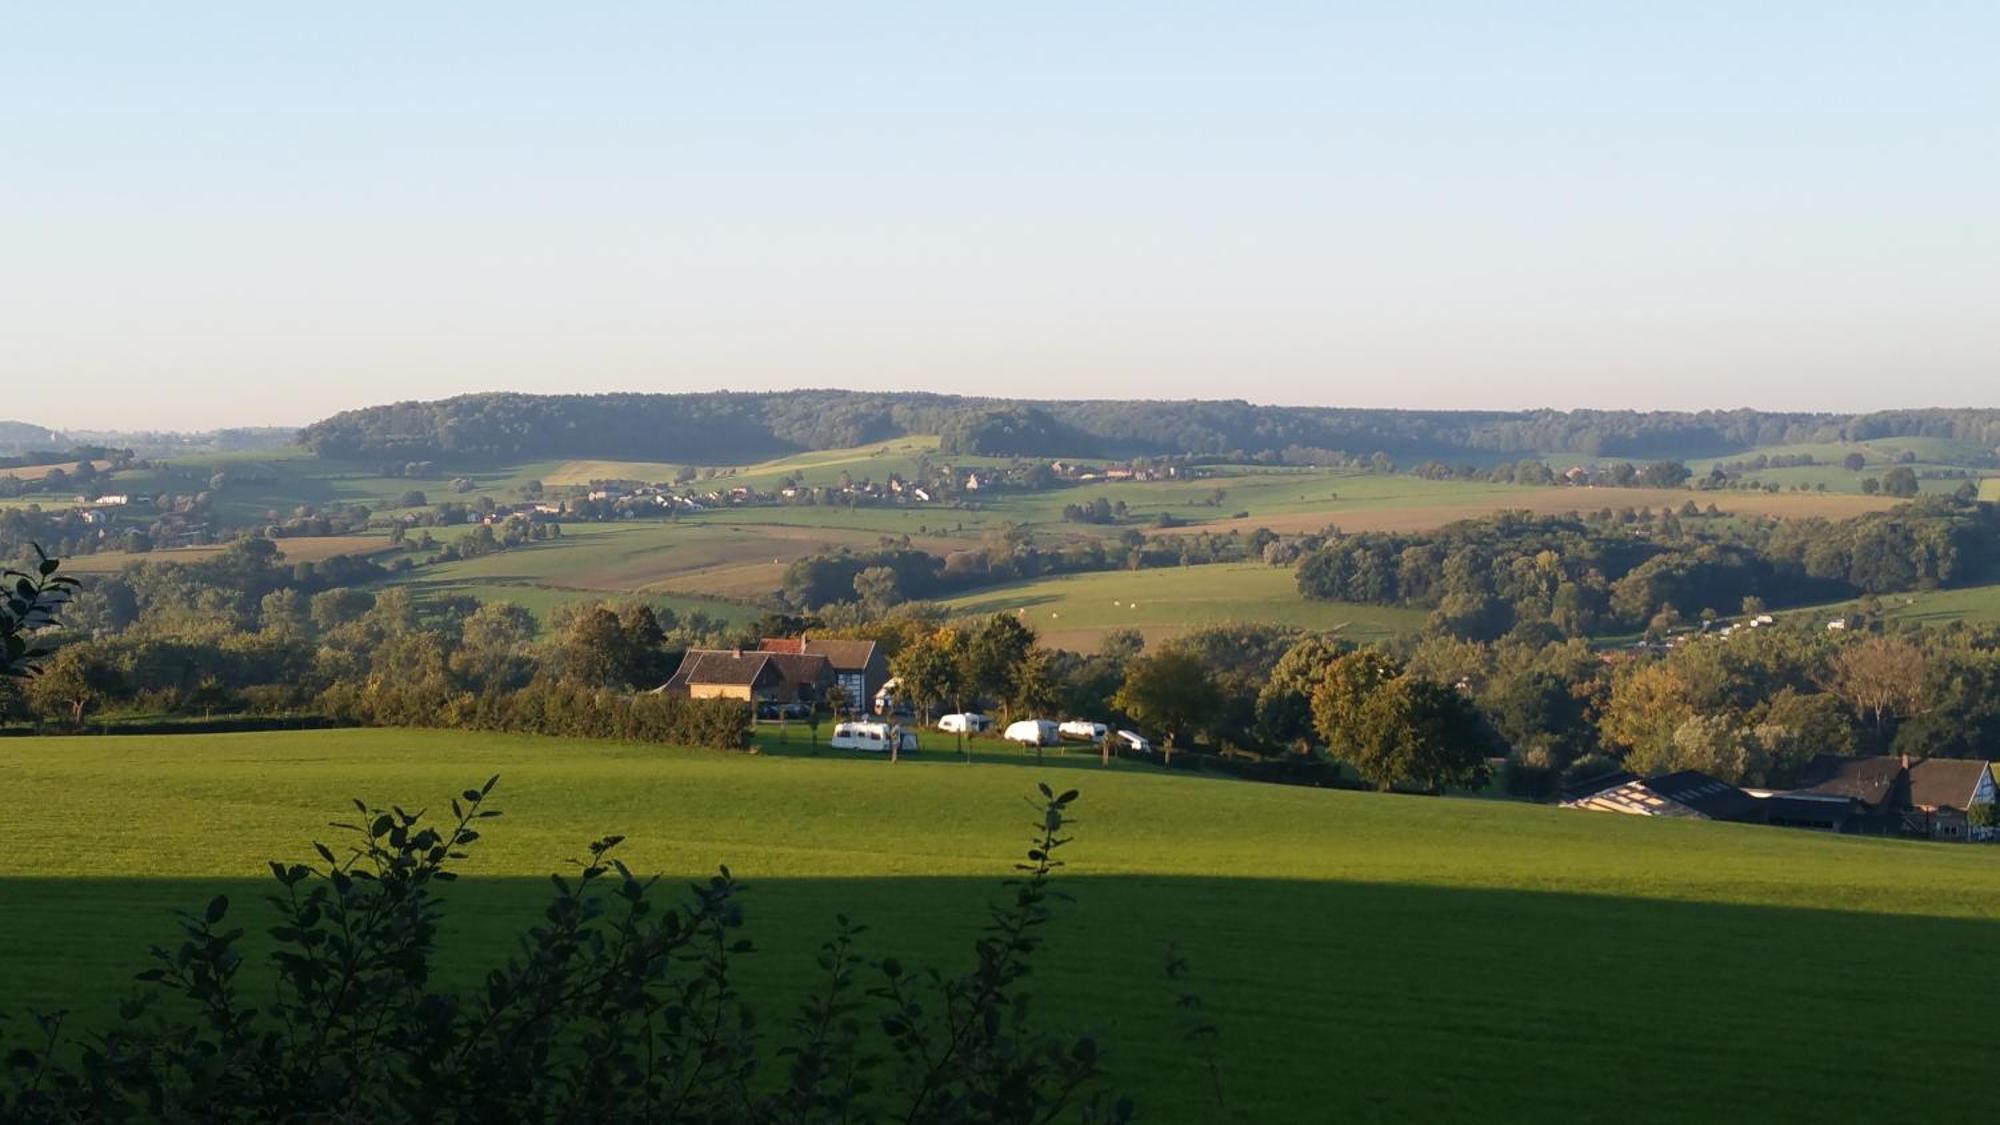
<point x="1366" y="956"/>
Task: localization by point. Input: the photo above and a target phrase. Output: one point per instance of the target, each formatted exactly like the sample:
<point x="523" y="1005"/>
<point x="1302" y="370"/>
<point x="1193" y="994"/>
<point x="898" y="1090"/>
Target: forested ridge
<point x="727" y="427"/>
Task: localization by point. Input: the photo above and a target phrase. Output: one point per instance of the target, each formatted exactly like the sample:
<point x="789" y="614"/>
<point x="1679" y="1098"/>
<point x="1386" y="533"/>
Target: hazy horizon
<point x="248" y="215"/>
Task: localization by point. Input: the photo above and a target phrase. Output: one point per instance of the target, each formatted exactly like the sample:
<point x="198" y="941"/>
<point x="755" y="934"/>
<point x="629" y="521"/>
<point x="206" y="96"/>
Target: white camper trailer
<point x="1034" y="732"/>
<point x="877" y="738"/>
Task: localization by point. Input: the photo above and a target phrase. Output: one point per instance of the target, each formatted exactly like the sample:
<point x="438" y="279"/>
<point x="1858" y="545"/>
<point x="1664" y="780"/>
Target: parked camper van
<point x="1083" y="730"/>
<point x="965" y="723"/>
<point x="1034" y="732"/>
<point x="878" y="738"/>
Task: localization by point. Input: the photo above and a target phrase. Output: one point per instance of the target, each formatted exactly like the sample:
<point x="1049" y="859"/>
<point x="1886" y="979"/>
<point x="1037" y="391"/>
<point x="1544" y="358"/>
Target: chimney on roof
<point x="1906" y="760"/>
<point x="738" y="654"/>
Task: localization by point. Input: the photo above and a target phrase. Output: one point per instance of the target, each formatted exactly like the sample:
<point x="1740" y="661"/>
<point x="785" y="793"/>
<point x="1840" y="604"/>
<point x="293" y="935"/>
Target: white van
<point x="966" y="722"/>
<point x="1083" y="730"/>
<point x="1034" y="732"/>
<point x="878" y="738"/>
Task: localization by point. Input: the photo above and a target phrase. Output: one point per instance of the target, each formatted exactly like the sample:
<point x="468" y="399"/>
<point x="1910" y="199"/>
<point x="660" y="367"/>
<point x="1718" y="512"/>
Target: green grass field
<point x="1882" y="454"/>
<point x="1977" y="605"/>
<point x="1366" y="956"/>
<point x="1075" y="611"/>
<point x="1974" y="605"/>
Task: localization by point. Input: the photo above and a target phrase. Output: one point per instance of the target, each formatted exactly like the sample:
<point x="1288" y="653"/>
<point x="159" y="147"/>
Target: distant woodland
<point x="724" y="427"/>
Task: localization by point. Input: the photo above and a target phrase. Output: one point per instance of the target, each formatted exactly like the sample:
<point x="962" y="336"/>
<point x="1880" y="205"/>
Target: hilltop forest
<point x="725" y="427"/>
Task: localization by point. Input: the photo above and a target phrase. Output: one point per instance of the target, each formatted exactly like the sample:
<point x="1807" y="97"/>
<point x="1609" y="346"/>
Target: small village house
<point x="754" y="676"/>
<point x="859" y="668"/>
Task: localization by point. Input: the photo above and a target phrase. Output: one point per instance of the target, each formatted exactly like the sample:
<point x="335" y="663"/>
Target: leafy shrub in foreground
<point x="619" y="1006"/>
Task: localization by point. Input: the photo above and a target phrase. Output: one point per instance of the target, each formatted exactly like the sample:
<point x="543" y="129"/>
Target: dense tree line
<point x="726" y="427"/>
<point x="1580" y="575"/>
<point x="1441" y="711"/>
<point x="245" y="633"/>
<point x="890" y="575"/>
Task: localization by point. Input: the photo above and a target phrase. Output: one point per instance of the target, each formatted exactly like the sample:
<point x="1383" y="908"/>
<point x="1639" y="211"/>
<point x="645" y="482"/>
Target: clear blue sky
<point x="259" y="213"/>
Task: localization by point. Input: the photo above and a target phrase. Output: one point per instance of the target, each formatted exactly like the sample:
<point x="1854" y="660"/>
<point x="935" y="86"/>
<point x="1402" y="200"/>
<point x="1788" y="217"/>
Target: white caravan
<point x="878" y="738"/>
<point x="1034" y="732"/>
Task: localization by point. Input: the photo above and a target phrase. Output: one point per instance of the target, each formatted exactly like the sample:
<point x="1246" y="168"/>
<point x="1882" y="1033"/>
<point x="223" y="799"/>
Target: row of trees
<point x="880" y="578"/>
<point x="1436" y="711"/>
<point x="242" y="633"/>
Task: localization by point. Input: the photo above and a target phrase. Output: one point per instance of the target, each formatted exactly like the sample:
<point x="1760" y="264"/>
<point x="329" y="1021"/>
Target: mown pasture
<point x="1076" y="611"/>
<point x="1366" y="956"/>
<point x="316" y="548"/>
<point x="1974" y="605"/>
<point x="37" y="472"/>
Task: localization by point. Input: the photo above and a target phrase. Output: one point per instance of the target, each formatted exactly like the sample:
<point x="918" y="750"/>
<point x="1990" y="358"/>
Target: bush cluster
<point x="547" y="706"/>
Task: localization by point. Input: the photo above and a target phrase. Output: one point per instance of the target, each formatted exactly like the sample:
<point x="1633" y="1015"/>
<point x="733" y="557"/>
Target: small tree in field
<point x="1346" y="685"/>
<point x="1415" y="732"/>
<point x="995" y="655"/>
<point x="1035" y="688"/>
<point x="67" y="685"/>
<point x="1171" y="691"/>
<point x="1879" y="677"/>
<point x="932" y="668"/>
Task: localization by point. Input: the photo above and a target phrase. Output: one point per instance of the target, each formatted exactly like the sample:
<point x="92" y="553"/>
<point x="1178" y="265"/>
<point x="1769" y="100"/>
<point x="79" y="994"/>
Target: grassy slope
<point x="1882" y="454"/>
<point x="1978" y="605"/>
<point x="819" y="467"/>
<point x="1075" y="611"/>
<point x="1367" y="956"/>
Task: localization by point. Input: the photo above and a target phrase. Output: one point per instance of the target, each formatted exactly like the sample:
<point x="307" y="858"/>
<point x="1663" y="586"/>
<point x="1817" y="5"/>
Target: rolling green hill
<point x="739" y="554"/>
<point x="1881" y="454"/>
<point x="1366" y="956"/>
<point x="1975" y="605"/>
